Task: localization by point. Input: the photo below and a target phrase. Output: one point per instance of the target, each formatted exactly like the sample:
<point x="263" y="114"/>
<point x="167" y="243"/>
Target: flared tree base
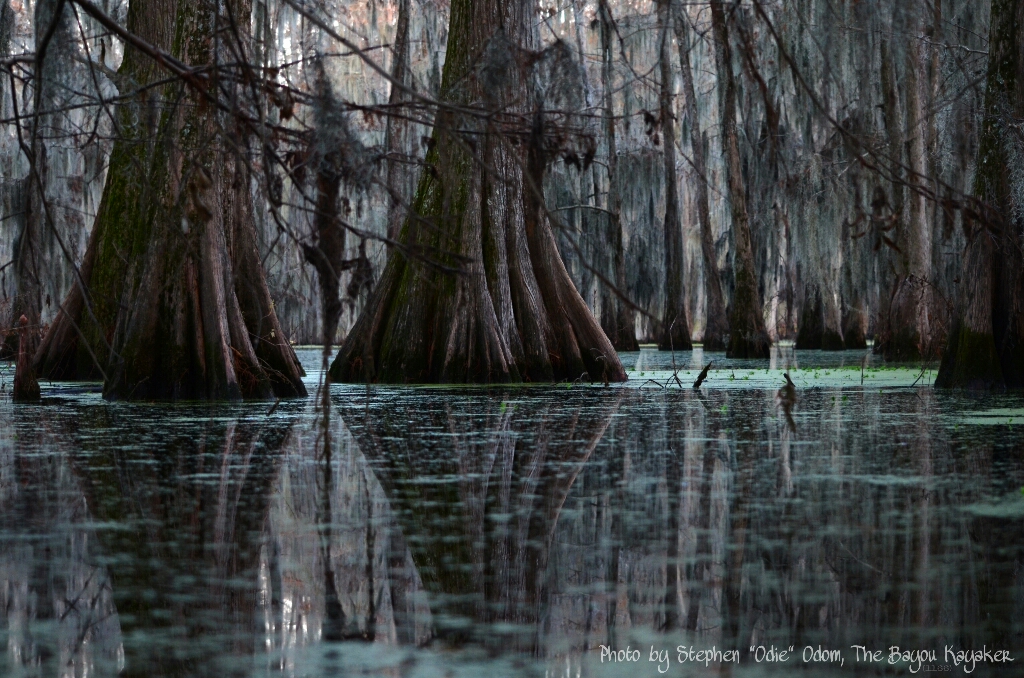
<point x="853" y="337"/>
<point x="815" y="333"/>
<point x="970" y="362"/>
<point x="747" y="337"/>
<point x="749" y="347"/>
<point x="902" y="346"/>
<point x="832" y="341"/>
<point x="426" y="327"/>
<point x="617" y="322"/>
<point x="678" y="338"/>
<point x="715" y="343"/>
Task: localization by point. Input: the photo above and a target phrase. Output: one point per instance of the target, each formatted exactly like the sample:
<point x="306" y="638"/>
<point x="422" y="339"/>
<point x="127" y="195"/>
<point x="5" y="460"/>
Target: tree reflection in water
<point x="555" y="523"/>
<point x="536" y="524"/>
<point x="478" y="484"/>
<point x="142" y="539"/>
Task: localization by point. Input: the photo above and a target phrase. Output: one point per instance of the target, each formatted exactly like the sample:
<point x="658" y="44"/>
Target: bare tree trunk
<point x="855" y="277"/>
<point x="912" y="322"/>
<point x="26" y="386"/>
<point x="619" y="323"/>
<point x="8" y="337"/>
<point x="675" y="327"/>
<point x="819" y="325"/>
<point x="177" y="304"/>
<point x="986" y="342"/>
<point x="27" y="307"/>
<point x="327" y="252"/>
<point x="50" y="23"/>
<point x="812" y="324"/>
<point x="716" y="326"/>
<point x="399" y="177"/>
<point x="511" y="312"/>
<point x="909" y="324"/>
<point x="747" y="338"/>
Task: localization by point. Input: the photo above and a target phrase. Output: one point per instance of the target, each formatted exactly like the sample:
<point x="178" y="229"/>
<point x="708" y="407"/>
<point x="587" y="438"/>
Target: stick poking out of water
<point x="787" y="398"/>
<point x="703" y="375"/>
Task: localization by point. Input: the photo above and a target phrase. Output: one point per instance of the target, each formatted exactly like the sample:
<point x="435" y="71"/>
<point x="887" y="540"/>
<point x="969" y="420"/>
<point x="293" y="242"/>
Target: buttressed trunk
<point x="819" y="321"/>
<point x="747" y="336"/>
<point x="986" y="340"/>
<point x="511" y="312"/>
<point x="175" y="304"/>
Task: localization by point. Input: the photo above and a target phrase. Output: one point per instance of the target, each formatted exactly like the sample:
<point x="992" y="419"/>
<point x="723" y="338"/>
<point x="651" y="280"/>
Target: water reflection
<point x="133" y="537"/>
<point x="478" y="484"/>
<point x="505" y="531"/>
<point x="58" y="608"/>
<point x="557" y="523"/>
<point x="186" y="513"/>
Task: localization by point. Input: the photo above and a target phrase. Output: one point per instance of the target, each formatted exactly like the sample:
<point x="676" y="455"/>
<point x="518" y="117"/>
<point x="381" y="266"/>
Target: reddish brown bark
<point x="510" y="312"/>
<point x="174" y="303"/>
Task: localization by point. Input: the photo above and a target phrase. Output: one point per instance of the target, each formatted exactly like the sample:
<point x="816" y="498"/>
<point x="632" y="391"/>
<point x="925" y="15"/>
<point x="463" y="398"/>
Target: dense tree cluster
<point x="504" y="191"/>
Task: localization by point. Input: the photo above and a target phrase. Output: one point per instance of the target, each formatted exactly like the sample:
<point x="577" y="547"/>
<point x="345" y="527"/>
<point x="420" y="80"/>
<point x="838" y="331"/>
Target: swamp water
<point x="515" y="531"/>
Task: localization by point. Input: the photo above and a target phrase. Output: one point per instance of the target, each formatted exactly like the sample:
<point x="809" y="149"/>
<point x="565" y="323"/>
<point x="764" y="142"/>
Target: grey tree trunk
<point x="51" y="36"/>
<point x="400" y="176"/>
<point x="617" y="320"/>
<point x="716" y="326"/>
<point x="675" y="326"/>
<point x="747" y="337"/>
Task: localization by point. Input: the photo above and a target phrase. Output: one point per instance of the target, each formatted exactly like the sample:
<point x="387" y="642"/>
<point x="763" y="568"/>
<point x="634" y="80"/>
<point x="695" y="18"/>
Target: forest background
<point x="736" y="173"/>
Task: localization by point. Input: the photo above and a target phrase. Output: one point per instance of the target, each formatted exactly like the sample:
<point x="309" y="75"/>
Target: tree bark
<point x="50" y="23"/>
<point x="175" y="304"/>
<point x="26" y="386"/>
<point x="511" y="311"/>
<point x="986" y="342"/>
<point x="747" y="337"/>
<point x="619" y="323"/>
<point x="8" y="337"/>
<point x="716" y="325"/>
<point x="912" y="321"/>
<point x="816" y="332"/>
<point x="675" y="327"/>
<point x="887" y="257"/>
<point x="908" y="326"/>
<point x="399" y="177"/>
<point x="856" y="275"/>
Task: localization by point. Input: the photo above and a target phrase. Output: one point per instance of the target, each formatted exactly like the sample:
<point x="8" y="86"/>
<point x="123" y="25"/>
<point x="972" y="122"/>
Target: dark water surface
<point x="514" y="532"/>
